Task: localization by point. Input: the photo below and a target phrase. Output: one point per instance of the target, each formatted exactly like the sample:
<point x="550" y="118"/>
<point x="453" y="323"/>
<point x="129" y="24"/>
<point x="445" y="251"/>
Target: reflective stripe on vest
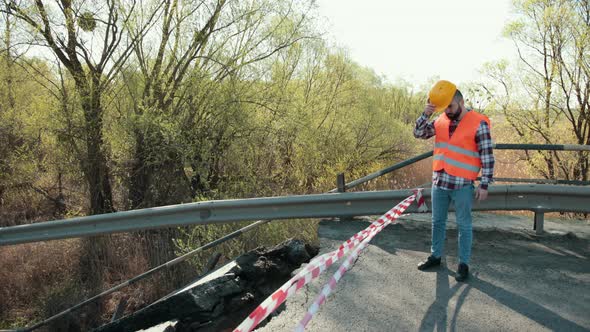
<point x="457" y="149"/>
<point x="458" y="155"/>
<point x="457" y="163"/>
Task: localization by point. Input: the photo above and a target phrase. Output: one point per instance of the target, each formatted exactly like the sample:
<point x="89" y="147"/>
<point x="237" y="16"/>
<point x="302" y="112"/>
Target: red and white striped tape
<point x="319" y="264"/>
<point x="311" y="271"/>
<point x="331" y="285"/>
<point x="420" y="200"/>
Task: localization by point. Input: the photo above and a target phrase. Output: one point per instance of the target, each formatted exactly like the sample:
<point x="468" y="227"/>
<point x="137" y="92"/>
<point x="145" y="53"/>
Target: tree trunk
<point x="95" y="166"/>
<point x="95" y="256"/>
<point x="158" y="178"/>
<point x="4" y="166"/>
<point x="581" y="167"/>
<point x="94" y="259"/>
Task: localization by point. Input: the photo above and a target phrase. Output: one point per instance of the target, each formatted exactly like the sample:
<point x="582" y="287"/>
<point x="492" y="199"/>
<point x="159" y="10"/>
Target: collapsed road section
<point x="225" y="297"/>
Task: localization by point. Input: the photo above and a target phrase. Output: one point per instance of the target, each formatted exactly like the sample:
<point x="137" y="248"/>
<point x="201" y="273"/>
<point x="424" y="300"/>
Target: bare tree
<point x="200" y="45"/>
<point x="551" y="37"/>
<point x="86" y="39"/>
<point x="570" y="35"/>
<point x="6" y="132"/>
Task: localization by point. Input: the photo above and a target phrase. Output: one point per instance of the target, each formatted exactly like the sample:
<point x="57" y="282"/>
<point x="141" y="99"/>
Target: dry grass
<point x="41" y="279"/>
<point x="29" y="271"/>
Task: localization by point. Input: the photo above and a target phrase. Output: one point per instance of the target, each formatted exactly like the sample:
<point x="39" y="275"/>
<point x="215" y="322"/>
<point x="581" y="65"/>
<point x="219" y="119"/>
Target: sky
<point x="416" y="40"/>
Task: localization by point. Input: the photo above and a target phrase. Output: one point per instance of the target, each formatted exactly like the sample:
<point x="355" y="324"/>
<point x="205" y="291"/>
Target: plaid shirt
<point x="425" y="129"/>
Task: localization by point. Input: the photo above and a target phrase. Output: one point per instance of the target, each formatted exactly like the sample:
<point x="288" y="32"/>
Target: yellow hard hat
<point x="442" y="94"/>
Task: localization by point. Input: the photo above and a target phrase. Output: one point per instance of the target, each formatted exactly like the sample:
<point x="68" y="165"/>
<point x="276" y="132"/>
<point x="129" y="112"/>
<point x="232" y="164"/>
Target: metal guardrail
<point x="407" y="162"/>
<point x="542" y="181"/>
<point x="539" y="198"/>
<point x="543" y="147"/>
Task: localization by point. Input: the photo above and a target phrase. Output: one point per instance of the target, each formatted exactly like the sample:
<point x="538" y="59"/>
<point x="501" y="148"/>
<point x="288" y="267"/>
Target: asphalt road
<point x="519" y="282"/>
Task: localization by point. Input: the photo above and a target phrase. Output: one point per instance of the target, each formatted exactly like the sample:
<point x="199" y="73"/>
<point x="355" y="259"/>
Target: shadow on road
<point x="543" y="278"/>
<point x="435" y="318"/>
<point x="525" y="307"/>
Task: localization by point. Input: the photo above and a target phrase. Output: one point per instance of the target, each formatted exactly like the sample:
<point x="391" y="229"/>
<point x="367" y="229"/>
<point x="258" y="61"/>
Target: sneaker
<point x="431" y="261"/>
<point x="462" y="272"/>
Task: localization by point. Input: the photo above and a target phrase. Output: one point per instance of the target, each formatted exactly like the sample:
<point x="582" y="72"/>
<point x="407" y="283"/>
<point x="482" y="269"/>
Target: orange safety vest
<point x="458" y="155"/>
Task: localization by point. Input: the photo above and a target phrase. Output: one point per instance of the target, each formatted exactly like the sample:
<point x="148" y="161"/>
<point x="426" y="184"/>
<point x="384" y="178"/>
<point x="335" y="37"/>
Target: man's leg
<point x="463" y="199"/>
<point x="440" y="208"/>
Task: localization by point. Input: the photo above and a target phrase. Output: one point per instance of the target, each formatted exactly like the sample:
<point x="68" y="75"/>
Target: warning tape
<point x="331" y="285"/>
<point x="319" y="264"/>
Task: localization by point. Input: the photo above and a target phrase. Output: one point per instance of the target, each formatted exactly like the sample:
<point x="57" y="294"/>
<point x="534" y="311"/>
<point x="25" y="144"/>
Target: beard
<point x="454" y="116"/>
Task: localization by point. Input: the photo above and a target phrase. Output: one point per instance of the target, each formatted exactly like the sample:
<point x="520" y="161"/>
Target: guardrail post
<point x="538" y="223"/>
<point x="340" y="183"/>
<point x="341" y="188"/>
<point x="120" y="309"/>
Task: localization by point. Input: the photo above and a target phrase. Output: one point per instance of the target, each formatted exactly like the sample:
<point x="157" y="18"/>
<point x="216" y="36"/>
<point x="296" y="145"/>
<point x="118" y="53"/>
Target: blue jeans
<point x="463" y="200"/>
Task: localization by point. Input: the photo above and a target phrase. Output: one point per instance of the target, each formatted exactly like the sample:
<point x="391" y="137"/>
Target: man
<point x="463" y="147"/>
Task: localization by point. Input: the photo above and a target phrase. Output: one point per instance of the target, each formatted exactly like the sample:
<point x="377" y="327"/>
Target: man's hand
<point x="481" y="194"/>
<point x="429" y="109"/>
